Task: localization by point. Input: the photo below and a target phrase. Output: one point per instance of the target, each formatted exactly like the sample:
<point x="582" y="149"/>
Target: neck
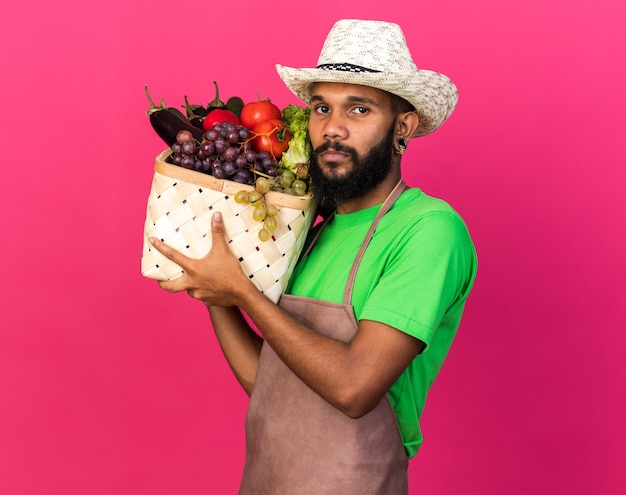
<point x="375" y="197"/>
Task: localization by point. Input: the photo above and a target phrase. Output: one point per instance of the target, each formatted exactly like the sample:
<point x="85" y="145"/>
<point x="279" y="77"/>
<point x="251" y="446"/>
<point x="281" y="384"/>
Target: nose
<point x="334" y="127"/>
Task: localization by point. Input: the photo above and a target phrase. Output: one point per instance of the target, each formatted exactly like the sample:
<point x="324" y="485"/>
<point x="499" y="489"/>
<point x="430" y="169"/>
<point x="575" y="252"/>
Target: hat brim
<point x="433" y="95"/>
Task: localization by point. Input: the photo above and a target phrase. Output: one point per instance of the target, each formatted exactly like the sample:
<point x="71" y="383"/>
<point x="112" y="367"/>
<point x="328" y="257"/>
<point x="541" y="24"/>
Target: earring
<point x="402" y="144"/>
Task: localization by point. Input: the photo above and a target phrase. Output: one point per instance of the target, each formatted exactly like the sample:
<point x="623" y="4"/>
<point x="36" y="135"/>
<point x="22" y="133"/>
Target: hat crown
<point x="374" y="45"/>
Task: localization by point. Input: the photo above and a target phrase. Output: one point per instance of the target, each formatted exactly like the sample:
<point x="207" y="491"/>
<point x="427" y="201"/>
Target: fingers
<point x="218" y="238"/>
<point x="169" y="252"/>
<point x="217" y="229"/>
<point x="172" y="285"/>
<point x="217" y="223"/>
<point x="191" y="274"/>
<point x="177" y="257"/>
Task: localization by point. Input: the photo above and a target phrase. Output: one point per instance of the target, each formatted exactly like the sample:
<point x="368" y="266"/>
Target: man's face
<point x="351" y="130"/>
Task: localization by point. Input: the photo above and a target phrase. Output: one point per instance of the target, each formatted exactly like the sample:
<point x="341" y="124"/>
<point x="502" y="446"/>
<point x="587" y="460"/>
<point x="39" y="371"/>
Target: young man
<point x="339" y="379"/>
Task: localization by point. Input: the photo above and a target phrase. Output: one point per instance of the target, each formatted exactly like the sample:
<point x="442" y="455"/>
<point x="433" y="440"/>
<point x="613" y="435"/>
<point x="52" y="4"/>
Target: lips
<point x="333" y="155"/>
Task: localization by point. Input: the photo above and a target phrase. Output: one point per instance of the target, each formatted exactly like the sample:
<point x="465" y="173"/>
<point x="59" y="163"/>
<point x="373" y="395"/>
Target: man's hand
<point x="217" y="279"/>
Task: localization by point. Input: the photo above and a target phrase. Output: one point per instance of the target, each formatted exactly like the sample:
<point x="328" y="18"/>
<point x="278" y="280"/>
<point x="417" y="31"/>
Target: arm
<point x="352" y="376"/>
<point x="240" y="344"/>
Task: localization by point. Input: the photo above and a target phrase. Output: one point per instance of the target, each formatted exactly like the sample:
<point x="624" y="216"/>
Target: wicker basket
<point x="180" y="206"/>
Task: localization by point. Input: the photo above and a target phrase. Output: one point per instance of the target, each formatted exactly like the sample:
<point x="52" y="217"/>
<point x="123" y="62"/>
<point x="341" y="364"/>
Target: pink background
<point x="108" y="385"/>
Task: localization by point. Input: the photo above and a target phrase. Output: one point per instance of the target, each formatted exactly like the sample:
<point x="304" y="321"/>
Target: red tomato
<point x="218" y="116"/>
<point x="271" y="136"/>
<point x="255" y="112"/>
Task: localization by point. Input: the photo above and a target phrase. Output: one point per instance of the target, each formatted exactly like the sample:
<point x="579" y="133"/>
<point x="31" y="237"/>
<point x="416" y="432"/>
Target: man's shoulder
<point x="420" y="218"/>
<point x="415" y="203"/>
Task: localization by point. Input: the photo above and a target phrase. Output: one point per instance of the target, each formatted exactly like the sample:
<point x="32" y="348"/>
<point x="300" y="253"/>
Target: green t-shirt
<point x="415" y="276"/>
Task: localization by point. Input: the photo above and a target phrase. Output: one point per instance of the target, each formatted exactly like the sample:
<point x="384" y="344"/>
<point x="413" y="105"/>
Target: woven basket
<point x="180" y="206"/>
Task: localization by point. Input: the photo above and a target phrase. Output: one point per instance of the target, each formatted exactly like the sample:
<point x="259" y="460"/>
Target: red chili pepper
<point x="218" y="116"/>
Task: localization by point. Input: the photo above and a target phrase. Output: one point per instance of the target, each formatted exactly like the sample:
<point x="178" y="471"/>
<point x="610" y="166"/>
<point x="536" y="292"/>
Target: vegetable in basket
<point x="271" y="136"/>
<point x="167" y="122"/>
<point x="297" y="156"/>
<point x="257" y="112"/>
<point x="195" y="113"/>
<point x="218" y="116"/>
<point x="219" y="111"/>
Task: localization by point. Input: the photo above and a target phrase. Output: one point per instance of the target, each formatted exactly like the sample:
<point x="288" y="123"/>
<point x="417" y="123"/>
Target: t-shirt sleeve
<point x="428" y="274"/>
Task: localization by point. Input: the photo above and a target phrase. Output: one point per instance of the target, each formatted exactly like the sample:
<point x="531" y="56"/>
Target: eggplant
<point x="167" y="123"/>
<point x="216" y="103"/>
<point x="195" y="113"/>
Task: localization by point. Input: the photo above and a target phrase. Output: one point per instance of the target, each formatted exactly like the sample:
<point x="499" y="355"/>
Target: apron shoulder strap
<point x="386" y="206"/>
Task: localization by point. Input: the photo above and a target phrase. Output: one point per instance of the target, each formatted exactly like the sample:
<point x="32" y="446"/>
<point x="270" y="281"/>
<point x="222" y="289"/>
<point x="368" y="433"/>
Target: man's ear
<point x="406" y="124"/>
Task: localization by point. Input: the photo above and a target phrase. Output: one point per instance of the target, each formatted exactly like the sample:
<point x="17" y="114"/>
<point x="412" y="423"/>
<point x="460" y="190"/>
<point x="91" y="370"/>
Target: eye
<point x="321" y="109"/>
<point x="360" y="110"/>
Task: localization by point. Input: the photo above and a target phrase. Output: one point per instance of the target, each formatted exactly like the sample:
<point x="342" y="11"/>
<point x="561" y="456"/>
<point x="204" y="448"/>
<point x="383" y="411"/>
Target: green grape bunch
<point x="264" y="211"/>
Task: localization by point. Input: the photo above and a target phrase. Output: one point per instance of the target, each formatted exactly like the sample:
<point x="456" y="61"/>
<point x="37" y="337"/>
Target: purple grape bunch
<point x="225" y="153"/>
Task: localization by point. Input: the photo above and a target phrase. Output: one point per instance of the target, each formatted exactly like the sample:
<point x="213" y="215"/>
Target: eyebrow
<point x="352" y="99"/>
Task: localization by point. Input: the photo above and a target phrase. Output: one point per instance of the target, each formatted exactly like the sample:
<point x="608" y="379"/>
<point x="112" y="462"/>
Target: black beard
<point x="366" y="172"/>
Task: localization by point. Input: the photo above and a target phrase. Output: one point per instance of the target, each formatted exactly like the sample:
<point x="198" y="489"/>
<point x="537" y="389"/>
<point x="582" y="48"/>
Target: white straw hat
<point x="375" y="54"/>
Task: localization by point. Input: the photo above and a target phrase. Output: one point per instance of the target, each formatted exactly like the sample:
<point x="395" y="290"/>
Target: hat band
<point x="346" y="68"/>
